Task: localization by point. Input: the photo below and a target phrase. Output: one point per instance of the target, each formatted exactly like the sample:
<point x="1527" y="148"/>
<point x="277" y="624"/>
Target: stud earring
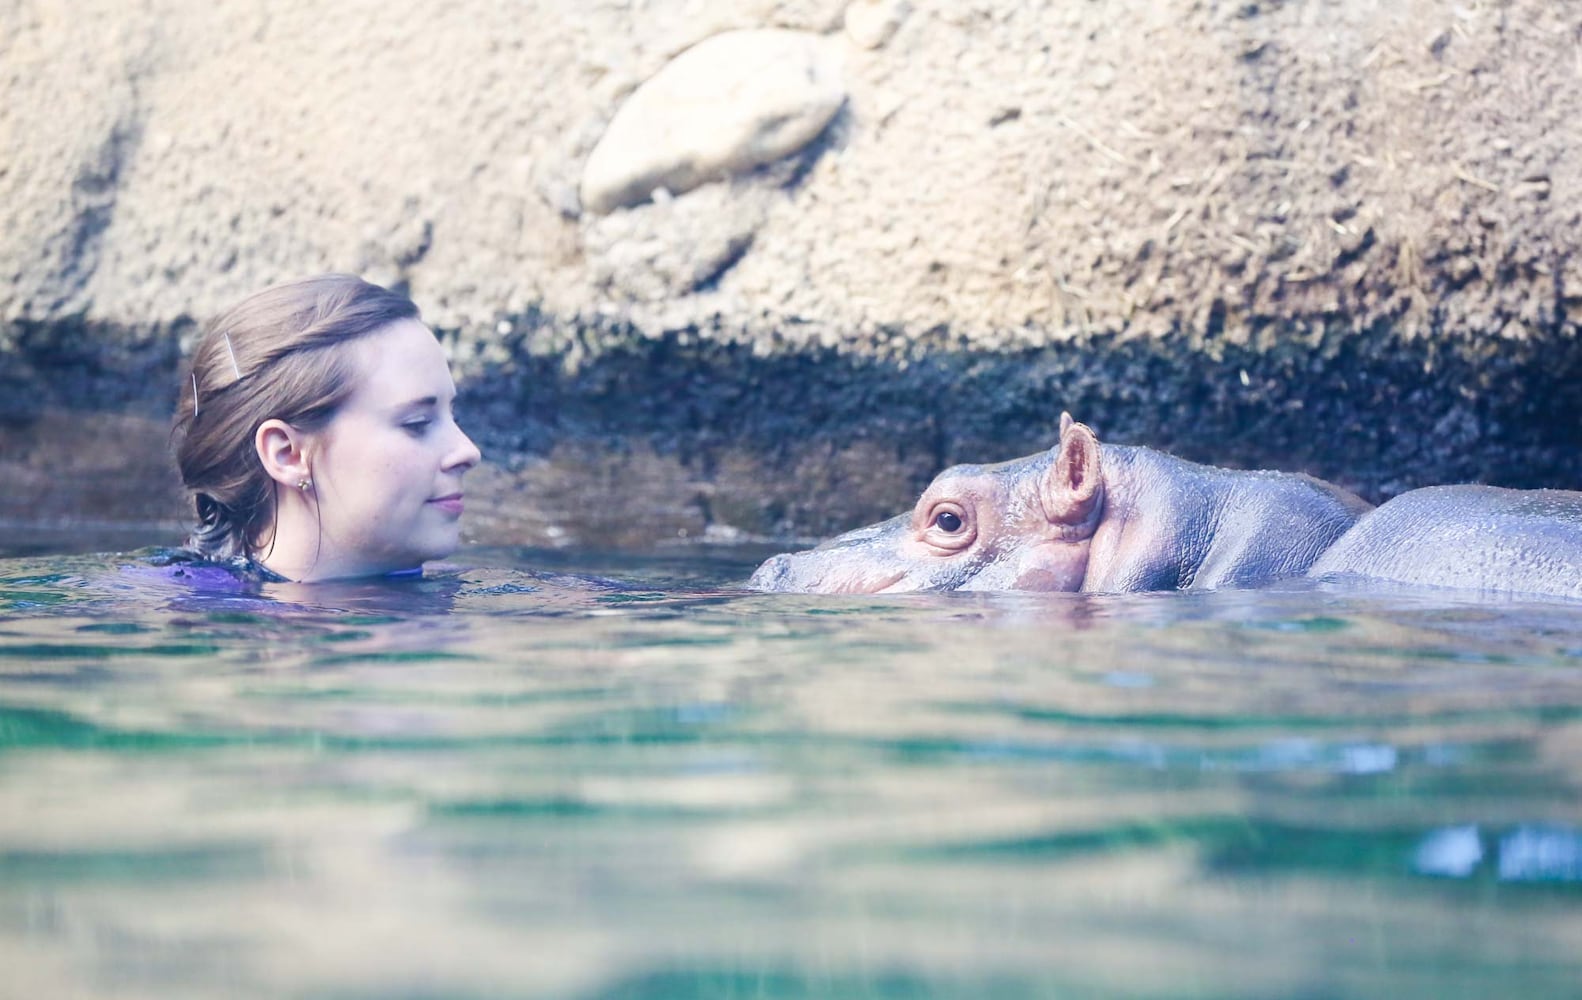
<point x="304" y="484"/>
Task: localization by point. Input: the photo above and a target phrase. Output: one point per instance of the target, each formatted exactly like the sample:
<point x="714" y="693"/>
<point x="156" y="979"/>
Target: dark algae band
<point x="1368" y="410"/>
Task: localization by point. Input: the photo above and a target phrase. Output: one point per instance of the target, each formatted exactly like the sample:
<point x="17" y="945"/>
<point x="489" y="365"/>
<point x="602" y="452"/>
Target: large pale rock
<point x="728" y="104"/>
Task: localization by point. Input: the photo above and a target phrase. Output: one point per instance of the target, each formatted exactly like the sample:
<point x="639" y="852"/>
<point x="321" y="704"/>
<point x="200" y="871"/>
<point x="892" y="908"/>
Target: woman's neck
<point x="294" y="548"/>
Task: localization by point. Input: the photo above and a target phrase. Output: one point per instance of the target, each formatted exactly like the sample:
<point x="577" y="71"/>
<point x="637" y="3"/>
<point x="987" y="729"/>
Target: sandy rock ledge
<point x="760" y="268"/>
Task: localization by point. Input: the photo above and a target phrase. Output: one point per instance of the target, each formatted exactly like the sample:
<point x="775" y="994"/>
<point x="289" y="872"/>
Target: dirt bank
<point x="1335" y="236"/>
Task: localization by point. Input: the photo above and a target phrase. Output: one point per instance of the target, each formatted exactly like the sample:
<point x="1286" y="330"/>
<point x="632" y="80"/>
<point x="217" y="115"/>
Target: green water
<point x="501" y="781"/>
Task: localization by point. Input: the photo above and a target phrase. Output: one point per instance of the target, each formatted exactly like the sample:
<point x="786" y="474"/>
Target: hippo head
<point x="1020" y="525"/>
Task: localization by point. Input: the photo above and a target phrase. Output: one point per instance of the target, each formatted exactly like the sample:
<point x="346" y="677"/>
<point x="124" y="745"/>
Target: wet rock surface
<point x="1336" y="239"/>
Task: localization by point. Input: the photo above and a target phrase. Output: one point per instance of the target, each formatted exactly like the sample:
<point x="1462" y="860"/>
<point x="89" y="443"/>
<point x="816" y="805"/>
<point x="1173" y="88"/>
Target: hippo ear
<point x="1074" y="485"/>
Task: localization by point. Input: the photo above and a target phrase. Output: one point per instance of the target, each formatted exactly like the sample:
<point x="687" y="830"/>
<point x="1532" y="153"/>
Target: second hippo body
<point x="1481" y="538"/>
<point x="1083" y="517"/>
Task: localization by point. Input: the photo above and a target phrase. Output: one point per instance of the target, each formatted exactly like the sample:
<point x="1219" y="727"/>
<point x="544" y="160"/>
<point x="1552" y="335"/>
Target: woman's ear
<point x="283" y="451"/>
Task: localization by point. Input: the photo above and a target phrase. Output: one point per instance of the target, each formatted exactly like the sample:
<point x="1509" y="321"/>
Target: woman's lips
<point x="450" y="504"/>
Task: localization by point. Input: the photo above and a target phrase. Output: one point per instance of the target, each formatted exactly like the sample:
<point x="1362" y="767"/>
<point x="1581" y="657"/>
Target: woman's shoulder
<point x="191" y="568"/>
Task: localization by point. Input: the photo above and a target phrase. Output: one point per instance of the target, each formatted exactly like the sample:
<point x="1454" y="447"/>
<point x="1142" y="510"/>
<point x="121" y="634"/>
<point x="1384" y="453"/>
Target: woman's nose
<point x="466" y="454"/>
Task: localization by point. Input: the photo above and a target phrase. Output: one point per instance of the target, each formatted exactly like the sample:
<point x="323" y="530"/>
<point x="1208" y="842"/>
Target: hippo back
<point x="1480" y="538"/>
<point x="1197" y="527"/>
<point x="1274" y="525"/>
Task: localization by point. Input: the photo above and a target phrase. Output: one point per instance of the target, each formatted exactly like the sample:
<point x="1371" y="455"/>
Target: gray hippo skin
<point x="1472" y="537"/>
<point x="1082" y="516"/>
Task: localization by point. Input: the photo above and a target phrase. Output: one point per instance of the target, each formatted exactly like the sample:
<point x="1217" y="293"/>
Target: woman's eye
<point x="947" y="522"/>
<point x="417" y="426"/>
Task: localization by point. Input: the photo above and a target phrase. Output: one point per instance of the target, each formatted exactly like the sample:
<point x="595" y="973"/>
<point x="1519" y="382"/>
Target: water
<point x="502" y="781"/>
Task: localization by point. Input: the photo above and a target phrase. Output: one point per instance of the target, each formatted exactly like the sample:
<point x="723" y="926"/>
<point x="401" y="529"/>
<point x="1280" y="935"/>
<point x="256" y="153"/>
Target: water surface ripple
<point x="632" y="779"/>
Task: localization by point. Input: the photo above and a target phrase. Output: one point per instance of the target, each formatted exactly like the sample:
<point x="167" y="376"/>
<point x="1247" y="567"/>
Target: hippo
<point x="1482" y="538"/>
<point x="1082" y="517"/>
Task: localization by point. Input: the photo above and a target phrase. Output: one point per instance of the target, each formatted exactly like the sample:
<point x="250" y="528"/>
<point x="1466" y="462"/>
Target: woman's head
<point x="289" y="439"/>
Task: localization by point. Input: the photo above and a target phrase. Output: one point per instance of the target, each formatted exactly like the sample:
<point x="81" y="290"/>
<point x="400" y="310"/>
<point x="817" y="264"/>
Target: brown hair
<point x="277" y="354"/>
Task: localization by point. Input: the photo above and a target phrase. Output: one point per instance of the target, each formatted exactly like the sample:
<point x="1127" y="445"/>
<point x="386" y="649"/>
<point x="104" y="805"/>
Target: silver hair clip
<point x="232" y="352"/>
<point x="194" y="395"/>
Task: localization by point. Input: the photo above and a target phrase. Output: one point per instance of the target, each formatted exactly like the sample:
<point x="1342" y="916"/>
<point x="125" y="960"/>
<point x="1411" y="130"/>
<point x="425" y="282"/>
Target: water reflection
<point x="635" y="780"/>
<point x="1529" y="853"/>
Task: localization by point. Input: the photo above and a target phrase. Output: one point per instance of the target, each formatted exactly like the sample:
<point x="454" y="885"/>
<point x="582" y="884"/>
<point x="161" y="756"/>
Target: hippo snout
<point x="772" y="575"/>
<point x="864" y="561"/>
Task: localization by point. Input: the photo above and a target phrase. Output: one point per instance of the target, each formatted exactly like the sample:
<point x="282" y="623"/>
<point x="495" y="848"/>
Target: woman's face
<point x="387" y="468"/>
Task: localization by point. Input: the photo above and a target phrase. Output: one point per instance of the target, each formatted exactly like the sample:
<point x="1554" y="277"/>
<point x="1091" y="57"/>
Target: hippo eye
<point x="947" y="522"/>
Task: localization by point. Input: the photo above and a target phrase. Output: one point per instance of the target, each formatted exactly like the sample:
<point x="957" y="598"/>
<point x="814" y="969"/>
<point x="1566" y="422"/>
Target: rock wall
<point x="1336" y="235"/>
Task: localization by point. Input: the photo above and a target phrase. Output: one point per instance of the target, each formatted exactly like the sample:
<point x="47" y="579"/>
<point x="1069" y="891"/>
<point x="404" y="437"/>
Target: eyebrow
<point x="423" y="401"/>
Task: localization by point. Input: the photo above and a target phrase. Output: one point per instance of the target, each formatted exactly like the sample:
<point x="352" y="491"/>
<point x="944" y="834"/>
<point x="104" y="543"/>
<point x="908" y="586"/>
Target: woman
<point x="316" y="434"/>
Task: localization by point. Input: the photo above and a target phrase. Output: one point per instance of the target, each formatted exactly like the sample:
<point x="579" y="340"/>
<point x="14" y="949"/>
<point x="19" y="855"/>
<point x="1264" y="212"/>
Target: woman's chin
<point x="442" y="548"/>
